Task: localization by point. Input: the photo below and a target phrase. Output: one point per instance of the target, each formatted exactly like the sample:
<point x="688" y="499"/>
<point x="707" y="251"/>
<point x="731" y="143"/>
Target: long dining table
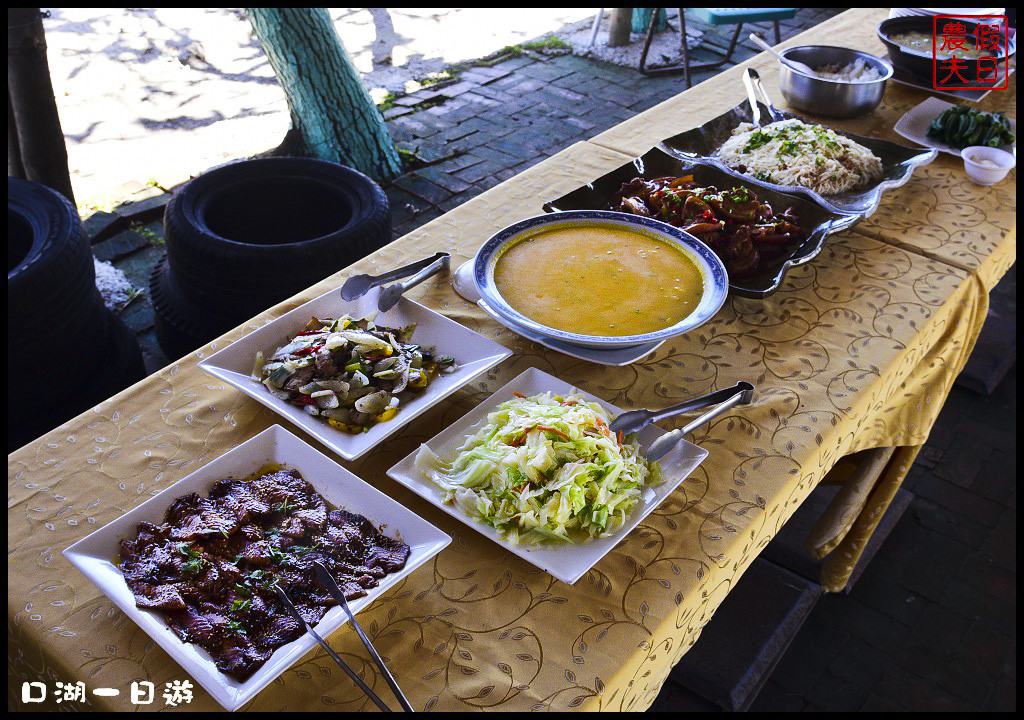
<point x="858" y="349"/>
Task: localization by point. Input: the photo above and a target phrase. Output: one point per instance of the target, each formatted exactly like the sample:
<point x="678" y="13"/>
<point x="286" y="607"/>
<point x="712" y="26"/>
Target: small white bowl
<point x="981" y="174"/>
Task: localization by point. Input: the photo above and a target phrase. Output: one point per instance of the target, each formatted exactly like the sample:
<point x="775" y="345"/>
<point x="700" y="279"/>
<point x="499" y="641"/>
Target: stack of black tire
<point x="66" y="352"/>
<point x="245" y="236"/>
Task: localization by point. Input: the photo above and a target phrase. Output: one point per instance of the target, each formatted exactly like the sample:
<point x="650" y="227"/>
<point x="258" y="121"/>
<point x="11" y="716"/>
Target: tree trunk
<point x="619" y="27"/>
<point x="332" y="115"/>
<point x="35" y="141"/>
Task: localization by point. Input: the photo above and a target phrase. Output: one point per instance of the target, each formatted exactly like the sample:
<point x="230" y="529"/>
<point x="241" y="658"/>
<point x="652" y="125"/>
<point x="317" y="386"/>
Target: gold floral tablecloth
<point x="938" y="213"/>
<point x="857" y="350"/>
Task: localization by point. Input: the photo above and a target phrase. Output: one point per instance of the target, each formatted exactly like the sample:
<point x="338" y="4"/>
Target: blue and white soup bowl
<point x="709" y="265"/>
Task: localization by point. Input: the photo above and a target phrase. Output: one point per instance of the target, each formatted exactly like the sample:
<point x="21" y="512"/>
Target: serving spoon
<point x="390" y="295"/>
<point x="632" y="421"/>
<point x="358" y="285"/>
<point x="794" y="64"/>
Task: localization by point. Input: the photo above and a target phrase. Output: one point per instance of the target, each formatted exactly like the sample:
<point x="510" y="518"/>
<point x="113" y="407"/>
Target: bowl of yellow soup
<point x="600" y="279"/>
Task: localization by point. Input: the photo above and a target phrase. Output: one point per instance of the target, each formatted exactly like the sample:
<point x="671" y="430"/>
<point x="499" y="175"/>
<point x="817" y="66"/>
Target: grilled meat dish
<point x="745" y="232"/>
<point x="211" y="567"/>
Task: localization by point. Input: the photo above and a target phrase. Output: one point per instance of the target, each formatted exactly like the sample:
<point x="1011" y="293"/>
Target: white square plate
<point x="94" y="555"/>
<point x="567" y="562"/>
<point x="914" y="125"/>
<point x="473" y="355"/>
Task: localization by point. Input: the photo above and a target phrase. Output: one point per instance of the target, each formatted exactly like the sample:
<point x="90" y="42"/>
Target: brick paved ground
<point x="931" y="624"/>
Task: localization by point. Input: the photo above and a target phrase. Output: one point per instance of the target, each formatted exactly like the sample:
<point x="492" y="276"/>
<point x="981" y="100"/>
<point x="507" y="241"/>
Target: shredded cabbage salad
<point x="545" y="469"/>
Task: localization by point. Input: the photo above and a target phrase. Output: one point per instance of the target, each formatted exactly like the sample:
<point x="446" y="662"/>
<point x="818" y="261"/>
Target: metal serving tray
<point x="898" y="161"/>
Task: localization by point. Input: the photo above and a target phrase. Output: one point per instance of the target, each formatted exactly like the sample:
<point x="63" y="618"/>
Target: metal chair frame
<point x="686" y="67"/>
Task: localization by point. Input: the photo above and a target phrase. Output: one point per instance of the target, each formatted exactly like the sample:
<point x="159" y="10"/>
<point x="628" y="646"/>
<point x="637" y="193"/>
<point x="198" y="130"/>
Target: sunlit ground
<point x="155" y="95"/>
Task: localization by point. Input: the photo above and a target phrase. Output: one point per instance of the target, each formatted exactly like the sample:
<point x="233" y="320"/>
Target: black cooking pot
<point x="919" y="64"/>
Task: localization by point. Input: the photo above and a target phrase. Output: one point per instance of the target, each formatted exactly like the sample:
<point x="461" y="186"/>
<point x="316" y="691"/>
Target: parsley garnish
<point x="195" y="562"/>
<point x="758" y="139"/>
<point x="302" y="549"/>
<point x="789" y="147"/>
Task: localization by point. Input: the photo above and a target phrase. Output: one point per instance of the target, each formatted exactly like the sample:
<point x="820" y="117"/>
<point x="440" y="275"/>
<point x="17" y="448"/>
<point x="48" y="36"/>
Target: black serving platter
<point x="656" y="162"/>
<point x="898" y="161"/>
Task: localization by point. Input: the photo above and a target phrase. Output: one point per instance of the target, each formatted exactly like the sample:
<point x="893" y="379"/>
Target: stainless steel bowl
<point x="831" y="98"/>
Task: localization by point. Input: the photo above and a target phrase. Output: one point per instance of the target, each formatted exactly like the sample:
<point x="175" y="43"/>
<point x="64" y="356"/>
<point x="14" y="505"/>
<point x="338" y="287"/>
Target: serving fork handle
<point x="719" y="396"/>
<point x="741" y="394"/>
<point x="752" y="81"/>
<point x="287" y="602"/>
<point x="327" y="580"/>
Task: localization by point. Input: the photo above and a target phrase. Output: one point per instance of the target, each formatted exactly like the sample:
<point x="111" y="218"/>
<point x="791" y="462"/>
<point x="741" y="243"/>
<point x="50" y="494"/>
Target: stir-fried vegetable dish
<point x="545" y="469"/>
<point x="743" y="230"/>
<point x="349" y="372"/>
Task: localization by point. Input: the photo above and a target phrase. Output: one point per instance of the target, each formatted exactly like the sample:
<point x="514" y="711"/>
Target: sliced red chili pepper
<point x="308" y="350"/>
<point x="305" y="400"/>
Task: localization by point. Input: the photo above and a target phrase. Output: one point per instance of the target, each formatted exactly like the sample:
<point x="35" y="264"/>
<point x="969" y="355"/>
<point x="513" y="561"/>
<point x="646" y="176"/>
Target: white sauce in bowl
<point x="986" y="163"/>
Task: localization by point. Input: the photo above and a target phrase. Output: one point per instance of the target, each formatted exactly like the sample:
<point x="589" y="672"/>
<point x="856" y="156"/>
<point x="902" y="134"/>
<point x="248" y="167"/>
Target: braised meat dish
<point x="212" y="566"/>
<point x="743" y="230"/>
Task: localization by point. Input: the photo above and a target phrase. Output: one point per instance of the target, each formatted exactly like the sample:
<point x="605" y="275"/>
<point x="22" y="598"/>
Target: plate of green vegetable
<point x="536" y="468"/>
<point x="951" y="128"/>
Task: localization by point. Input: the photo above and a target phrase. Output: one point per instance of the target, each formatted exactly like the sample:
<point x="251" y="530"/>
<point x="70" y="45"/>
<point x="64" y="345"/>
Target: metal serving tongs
<point x="332" y="587"/>
<point x="358" y="285"/>
<point x="632" y="421"/>
<point x="283" y="596"/>
<point x="752" y="82"/>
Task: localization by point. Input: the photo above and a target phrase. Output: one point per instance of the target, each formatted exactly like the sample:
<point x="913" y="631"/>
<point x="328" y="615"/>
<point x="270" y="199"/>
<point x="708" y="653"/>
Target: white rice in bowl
<point x="856" y="72"/>
<point x="791" y="152"/>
